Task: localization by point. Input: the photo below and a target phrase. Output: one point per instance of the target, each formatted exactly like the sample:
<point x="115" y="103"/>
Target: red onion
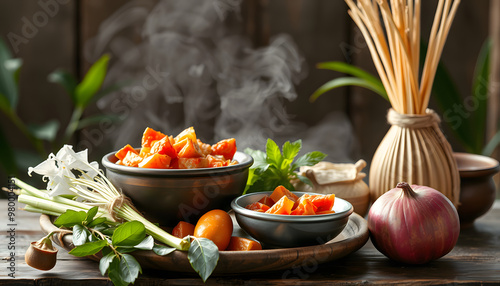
<point x="413" y="226"/>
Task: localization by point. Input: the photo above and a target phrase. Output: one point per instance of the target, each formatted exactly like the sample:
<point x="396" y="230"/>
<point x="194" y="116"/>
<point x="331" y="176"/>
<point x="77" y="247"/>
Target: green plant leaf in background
<point x="8" y="84"/>
<point x="359" y="78"/>
<point x="45" y="131"/>
<point x="480" y="95"/>
<point x="14" y="67"/>
<point x="92" y="82"/>
<point x="66" y="80"/>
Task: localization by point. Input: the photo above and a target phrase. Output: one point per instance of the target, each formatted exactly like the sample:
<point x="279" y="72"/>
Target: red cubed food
<point x="149" y="136"/>
<point x="190" y="150"/>
<point x="192" y="163"/>
<point x="281" y="191"/>
<point x="123" y="151"/>
<point x="260" y="207"/>
<point x="226" y="148"/>
<point x="155" y="161"/>
<point x="132" y="159"/>
<point x="283" y="206"/>
<point x="267" y="201"/>
<point x="164" y="147"/>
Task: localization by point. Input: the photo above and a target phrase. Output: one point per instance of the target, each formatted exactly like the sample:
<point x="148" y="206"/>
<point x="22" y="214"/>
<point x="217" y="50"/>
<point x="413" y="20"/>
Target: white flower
<point x="58" y="169"/>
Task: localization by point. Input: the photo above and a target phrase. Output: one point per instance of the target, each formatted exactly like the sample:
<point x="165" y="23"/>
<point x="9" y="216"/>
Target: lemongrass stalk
<point x="34" y="192"/>
<point x="128" y="213"/>
<point x="33" y="209"/>
<point x="45" y="204"/>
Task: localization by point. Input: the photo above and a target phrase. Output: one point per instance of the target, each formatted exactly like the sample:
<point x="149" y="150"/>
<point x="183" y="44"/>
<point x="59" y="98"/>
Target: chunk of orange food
<point x="289" y="204"/>
<point x="183" y="229"/>
<point x="183" y="151"/>
<point x="149" y="136"/>
<point x="243" y="244"/>
<point x="257" y="206"/>
<point x="155" y="161"/>
<point x="123" y="151"/>
<point x="226" y="148"/>
<point x="281" y="191"/>
<point x="283" y="206"/>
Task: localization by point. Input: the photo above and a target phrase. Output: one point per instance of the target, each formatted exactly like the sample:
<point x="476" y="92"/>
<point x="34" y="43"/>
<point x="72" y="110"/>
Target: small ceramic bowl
<point x="276" y="231"/>
<point x="166" y="196"/>
<point x="477" y="187"/>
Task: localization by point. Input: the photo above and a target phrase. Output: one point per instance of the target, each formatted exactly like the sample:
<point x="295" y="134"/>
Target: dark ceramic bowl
<point x="277" y="231"/>
<point x="167" y="196"/>
<point x="477" y="187"/>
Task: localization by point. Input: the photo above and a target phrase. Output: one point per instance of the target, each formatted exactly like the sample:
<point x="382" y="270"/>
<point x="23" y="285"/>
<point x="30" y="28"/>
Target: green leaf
<point x="305" y="180"/>
<point x="290" y="151"/>
<point x="96" y="222"/>
<point x="80" y="234"/>
<point x="309" y="159"/>
<point x="273" y="153"/>
<point x="70" y="218"/>
<point x="203" y="256"/>
<point x="114" y="273"/>
<point x="492" y="144"/>
<point x="259" y="159"/>
<point x="162" y="250"/>
<point x="91" y="214"/>
<point x="14" y="67"/>
<point x="45" y="131"/>
<point x="7" y="161"/>
<point x="347" y="81"/>
<point x="8" y="85"/>
<point x="66" y="80"/>
<point x="480" y="94"/>
<point x="146" y="244"/>
<point x="106" y="261"/>
<point x="354" y="71"/>
<point x="129" y="234"/>
<point x="129" y="268"/>
<point x="92" y="82"/>
<point x="89" y="248"/>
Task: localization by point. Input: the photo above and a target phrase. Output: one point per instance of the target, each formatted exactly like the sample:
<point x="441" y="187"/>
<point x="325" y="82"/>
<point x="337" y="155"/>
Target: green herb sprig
<point x="275" y="167"/>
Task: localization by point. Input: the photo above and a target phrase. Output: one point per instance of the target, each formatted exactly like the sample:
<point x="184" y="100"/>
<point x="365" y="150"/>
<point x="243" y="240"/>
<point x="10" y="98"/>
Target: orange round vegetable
<point x="217" y="226"/>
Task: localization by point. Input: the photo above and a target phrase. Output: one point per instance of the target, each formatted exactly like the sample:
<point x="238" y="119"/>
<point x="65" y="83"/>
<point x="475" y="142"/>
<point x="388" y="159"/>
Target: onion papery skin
<point x="413" y="227"/>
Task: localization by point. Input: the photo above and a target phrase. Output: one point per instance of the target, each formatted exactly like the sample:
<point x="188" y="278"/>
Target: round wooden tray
<point x="352" y="238"/>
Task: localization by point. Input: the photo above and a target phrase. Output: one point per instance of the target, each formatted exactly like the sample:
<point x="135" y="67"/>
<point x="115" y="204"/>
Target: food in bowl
<point x="184" y="151"/>
<point x="166" y="196"/>
<point x="284" y="202"/>
<point x="276" y="231"/>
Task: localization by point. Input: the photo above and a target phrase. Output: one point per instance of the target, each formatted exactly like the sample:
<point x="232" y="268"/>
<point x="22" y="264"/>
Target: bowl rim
<point x="243" y="163"/>
<point x="491" y="165"/>
<point x="238" y="209"/>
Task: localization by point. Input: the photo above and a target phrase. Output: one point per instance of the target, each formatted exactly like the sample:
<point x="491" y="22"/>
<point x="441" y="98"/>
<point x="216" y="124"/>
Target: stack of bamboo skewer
<point x="414" y="149"/>
<point x="396" y="51"/>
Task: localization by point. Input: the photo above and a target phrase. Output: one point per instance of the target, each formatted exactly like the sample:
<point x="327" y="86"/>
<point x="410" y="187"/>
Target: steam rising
<point x="191" y="66"/>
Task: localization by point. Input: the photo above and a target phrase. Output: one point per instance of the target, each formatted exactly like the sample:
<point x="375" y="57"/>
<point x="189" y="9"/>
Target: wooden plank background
<point x="321" y="28"/>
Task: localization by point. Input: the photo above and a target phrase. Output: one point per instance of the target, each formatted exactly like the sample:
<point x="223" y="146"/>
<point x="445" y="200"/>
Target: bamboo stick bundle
<point x="414" y="149"/>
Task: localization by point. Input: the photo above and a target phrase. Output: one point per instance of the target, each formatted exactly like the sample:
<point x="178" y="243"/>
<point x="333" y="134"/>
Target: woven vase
<point x="414" y="150"/>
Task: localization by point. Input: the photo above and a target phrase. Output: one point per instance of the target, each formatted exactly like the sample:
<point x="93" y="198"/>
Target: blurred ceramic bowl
<point x="166" y="196"/>
<point x="477" y="187"/>
<point x="275" y="231"/>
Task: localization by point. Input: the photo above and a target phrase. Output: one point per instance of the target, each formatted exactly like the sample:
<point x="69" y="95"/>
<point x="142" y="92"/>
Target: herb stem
<point x="159" y="234"/>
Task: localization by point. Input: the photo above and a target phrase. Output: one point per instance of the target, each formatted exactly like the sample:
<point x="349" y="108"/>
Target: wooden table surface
<point x="475" y="260"/>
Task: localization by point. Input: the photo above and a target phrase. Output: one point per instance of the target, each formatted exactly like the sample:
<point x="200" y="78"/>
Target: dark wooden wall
<point x="321" y="28"/>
